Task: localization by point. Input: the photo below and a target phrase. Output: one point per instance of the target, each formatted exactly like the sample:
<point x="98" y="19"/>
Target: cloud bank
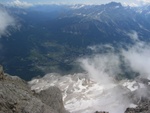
<point x="135" y="56"/>
<point x="101" y="67"/>
<point x="138" y="58"/>
<point x="28" y="3"/>
<point x="6" y="21"/>
<point x="97" y="87"/>
<point x="137" y="3"/>
<point x="106" y="67"/>
<point x="144" y="2"/>
<point x="20" y="4"/>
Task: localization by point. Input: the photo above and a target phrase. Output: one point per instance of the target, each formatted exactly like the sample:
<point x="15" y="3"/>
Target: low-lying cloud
<point x="106" y="67"/>
<point x="144" y="2"/>
<point x="101" y="66"/>
<point x="6" y="21"/>
<point x="20" y="4"/>
<point x="138" y="58"/>
<point x="137" y="3"/>
<point x="133" y="35"/>
<point x="97" y="87"/>
<point x="135" y="56"/>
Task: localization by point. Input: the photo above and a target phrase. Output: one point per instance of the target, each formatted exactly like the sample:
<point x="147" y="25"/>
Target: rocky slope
<point x="143" y="107"/>
<point x="16" y="97"/>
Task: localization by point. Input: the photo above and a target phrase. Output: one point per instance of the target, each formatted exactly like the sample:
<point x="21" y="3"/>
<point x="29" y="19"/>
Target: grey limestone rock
<point x="53" y="98"/>
<point x="1" y="73"/>
<point x="16" y="97"/>
<point x="143" y="107"/>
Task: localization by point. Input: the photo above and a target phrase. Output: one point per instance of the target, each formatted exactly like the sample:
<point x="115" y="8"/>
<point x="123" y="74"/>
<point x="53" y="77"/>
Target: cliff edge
<point x="16" y="97"/>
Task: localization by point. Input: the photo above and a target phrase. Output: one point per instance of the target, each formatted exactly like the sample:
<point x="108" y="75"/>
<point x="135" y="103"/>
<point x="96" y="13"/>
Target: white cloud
<point x="21" y="4"/>
<point x="5" y="22"/>
<point x="136" y="3"/>
<point x="102" y="67"/>
<point x="131" y="4"/>
<point x="144" y="2"/>
<point x="101" y="91"/>
<point x="138" y="58"/>
<point x="28" y="3"/>
<point x="133" y="35"/>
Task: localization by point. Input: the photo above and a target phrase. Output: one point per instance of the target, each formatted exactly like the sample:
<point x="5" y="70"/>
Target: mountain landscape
<point x="50" y="38"/>
<point x="97" y="55"/>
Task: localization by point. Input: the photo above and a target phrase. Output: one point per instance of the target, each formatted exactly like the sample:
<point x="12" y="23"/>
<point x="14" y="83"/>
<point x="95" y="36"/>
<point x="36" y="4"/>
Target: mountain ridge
<point x="60" y="35"/>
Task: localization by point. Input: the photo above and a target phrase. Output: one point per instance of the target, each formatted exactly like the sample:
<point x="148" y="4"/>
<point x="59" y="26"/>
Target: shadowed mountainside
<point x="63" y="33"/>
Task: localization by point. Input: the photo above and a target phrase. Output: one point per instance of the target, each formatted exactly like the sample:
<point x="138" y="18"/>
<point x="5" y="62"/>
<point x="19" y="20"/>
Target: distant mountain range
<point x="51" y="37"/>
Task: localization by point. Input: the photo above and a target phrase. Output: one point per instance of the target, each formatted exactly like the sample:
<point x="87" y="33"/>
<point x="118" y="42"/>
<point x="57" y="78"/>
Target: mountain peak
<point x="114" y="4"/>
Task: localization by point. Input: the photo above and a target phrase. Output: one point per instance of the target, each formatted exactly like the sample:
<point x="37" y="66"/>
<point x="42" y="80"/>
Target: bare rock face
<point x="16" y="97"/>
<point x="101" y="112"/>
<point x="1" y="73"/>
<point x="143" y="107"/>
<point x="53" y="98"/>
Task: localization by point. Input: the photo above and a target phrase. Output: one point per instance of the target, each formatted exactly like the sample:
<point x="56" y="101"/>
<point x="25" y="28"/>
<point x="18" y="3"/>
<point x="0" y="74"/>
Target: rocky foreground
<point x="17" y="97"/>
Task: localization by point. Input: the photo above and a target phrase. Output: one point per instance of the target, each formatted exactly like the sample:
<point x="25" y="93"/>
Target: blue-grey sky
<point x="29" y="2"/>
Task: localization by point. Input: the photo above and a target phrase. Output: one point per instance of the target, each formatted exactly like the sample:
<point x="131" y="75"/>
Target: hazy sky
<point x="30" y="2"/>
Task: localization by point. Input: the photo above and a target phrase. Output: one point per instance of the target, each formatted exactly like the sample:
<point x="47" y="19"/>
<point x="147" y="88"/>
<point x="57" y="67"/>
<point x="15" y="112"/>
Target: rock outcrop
<point x="142" y="101"/>
<point x="101" y="112"/>
<point x="143" y="107"/>
<point x="53" y="98"/>
<point x="16" y="97"/>
<point x="1" y="73"/>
